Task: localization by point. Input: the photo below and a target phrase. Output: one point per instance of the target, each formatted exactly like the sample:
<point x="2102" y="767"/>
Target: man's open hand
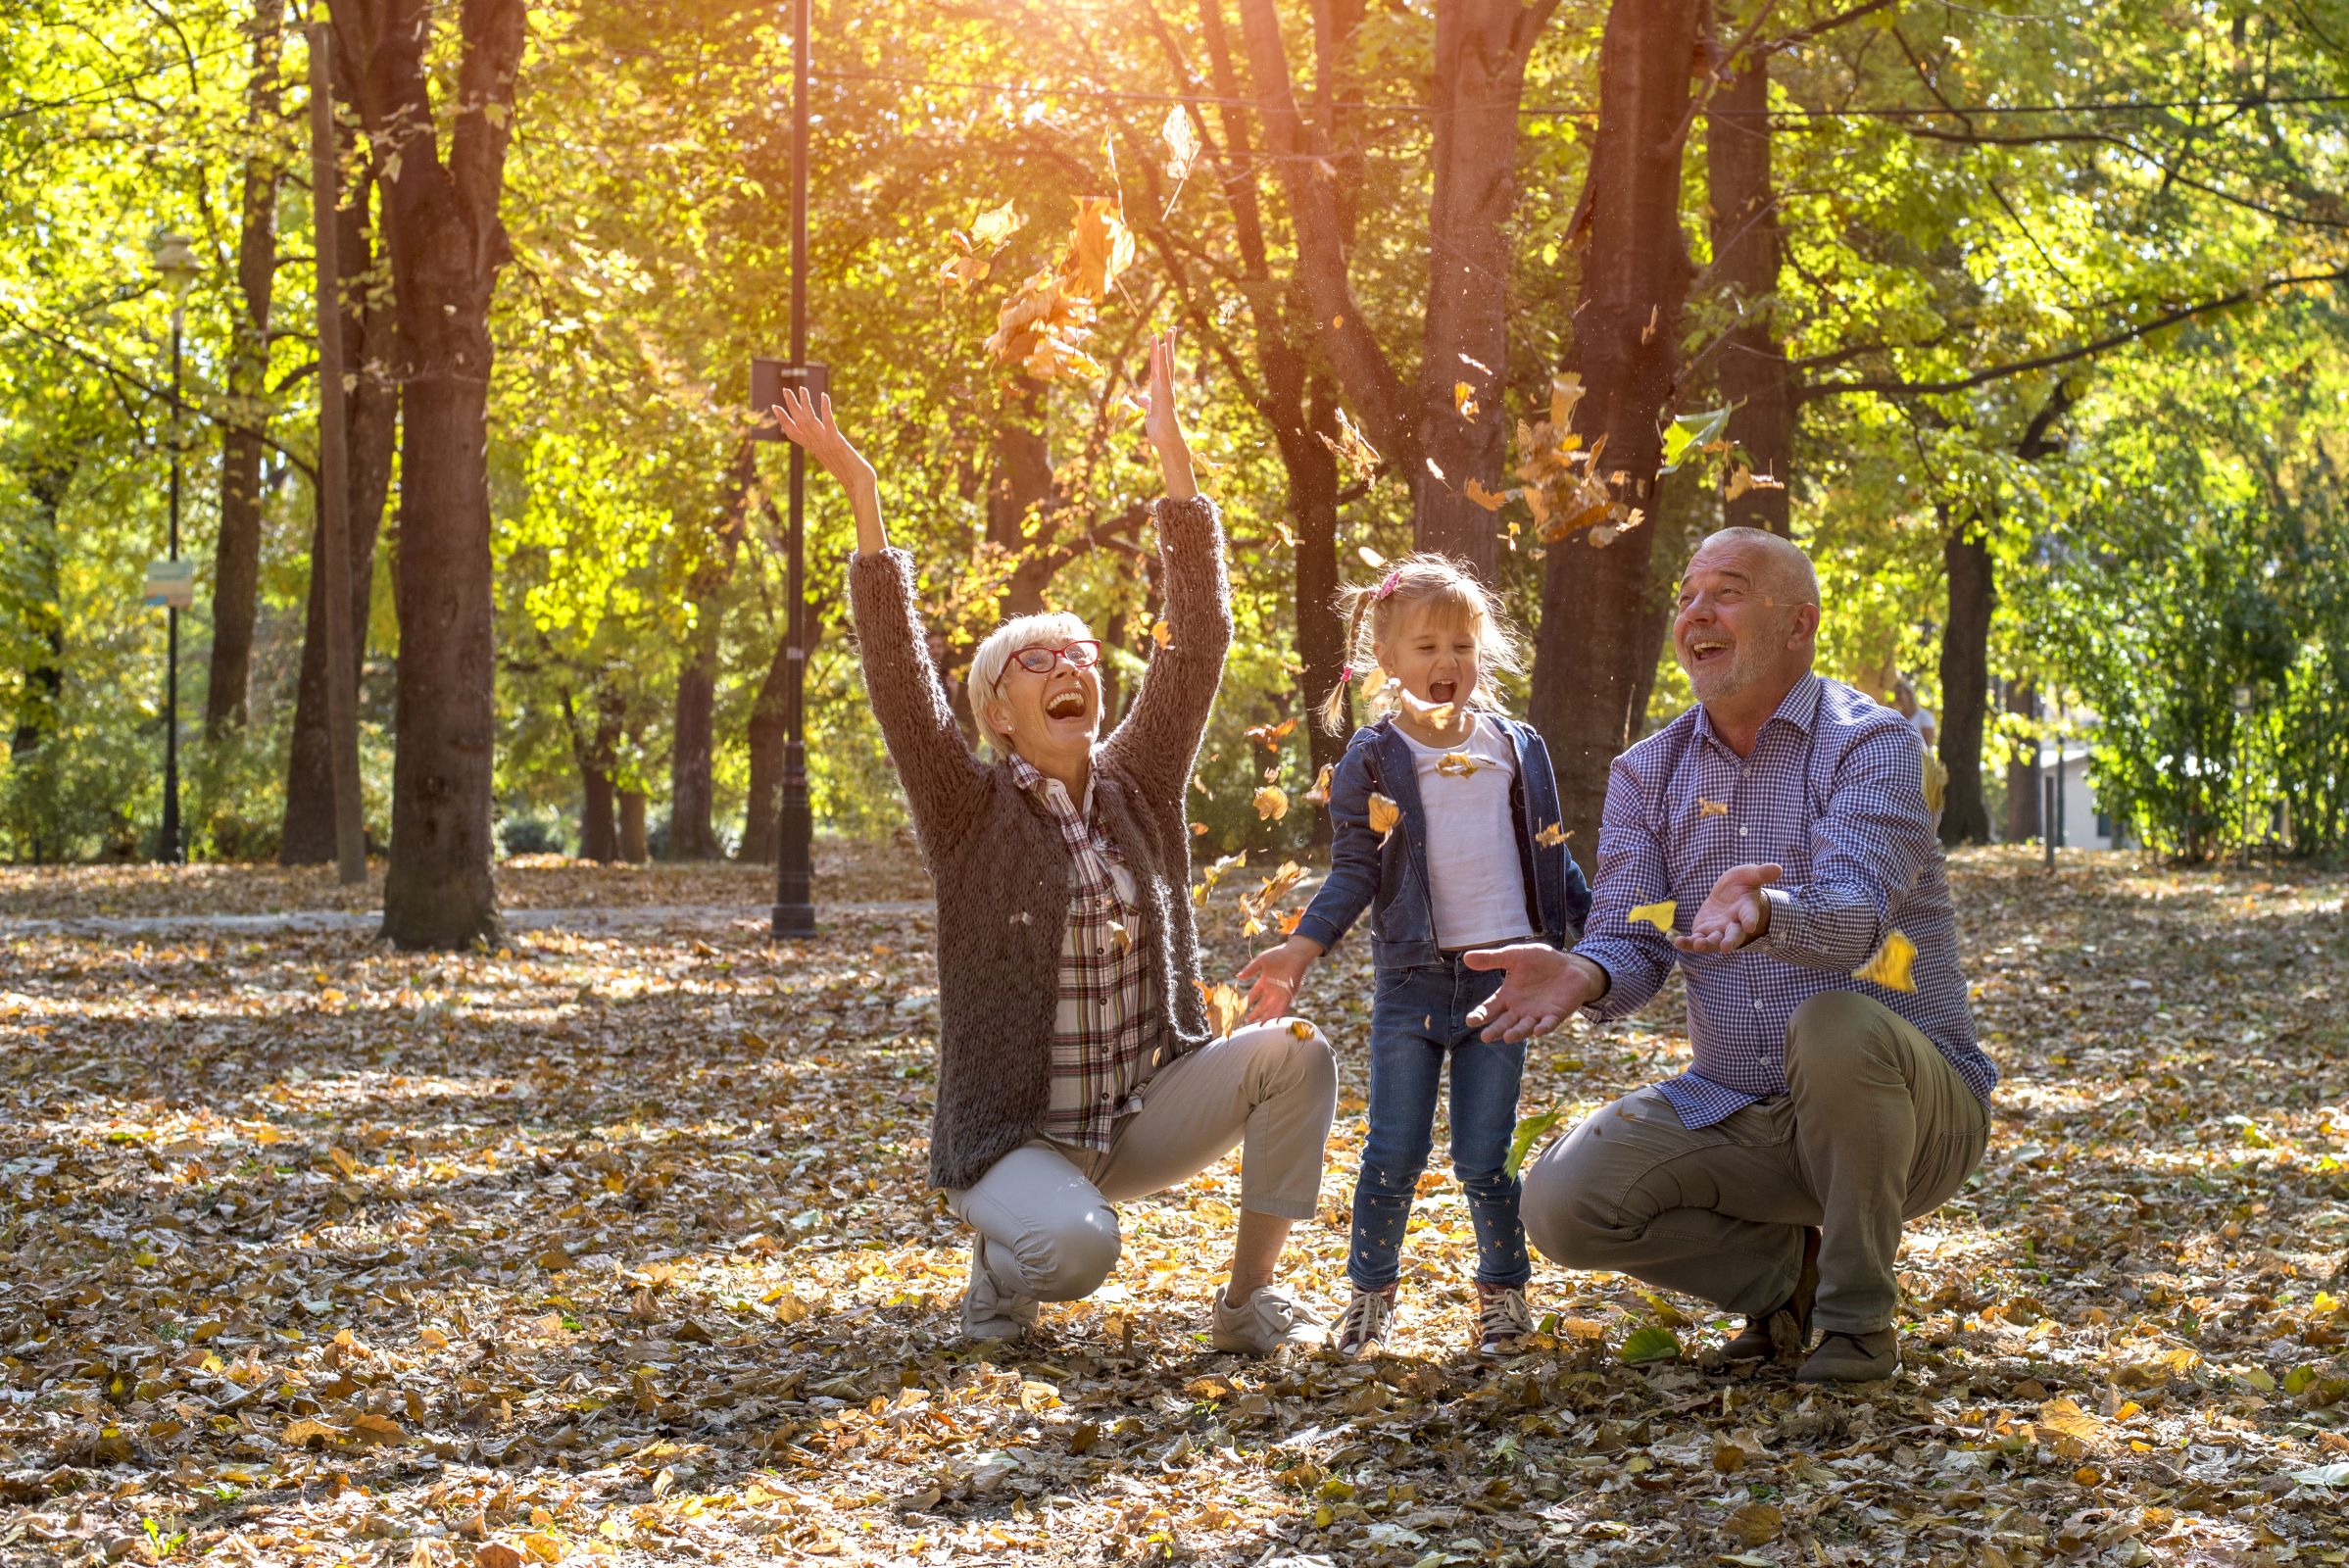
<point x="1541" y="988"/>
<point x="1733" y="914"/>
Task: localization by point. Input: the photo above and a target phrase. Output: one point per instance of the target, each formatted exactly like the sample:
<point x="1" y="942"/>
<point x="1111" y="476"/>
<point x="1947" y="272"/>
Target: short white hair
<point x="1053" y="628"/>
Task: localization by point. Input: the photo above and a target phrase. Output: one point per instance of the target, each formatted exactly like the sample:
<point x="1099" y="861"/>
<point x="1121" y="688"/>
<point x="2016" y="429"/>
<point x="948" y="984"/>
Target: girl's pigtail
<point x="1335" y="708"/>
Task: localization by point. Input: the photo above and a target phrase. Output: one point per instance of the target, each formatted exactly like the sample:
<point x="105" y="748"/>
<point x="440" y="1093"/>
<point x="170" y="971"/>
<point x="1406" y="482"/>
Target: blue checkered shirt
<point x="1833" y="792"/>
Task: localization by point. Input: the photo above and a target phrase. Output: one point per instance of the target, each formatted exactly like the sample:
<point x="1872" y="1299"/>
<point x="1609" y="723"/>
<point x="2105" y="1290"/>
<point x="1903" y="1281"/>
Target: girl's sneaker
<point x="1501" y="1319"/>
<point x="1363" y="1331"/>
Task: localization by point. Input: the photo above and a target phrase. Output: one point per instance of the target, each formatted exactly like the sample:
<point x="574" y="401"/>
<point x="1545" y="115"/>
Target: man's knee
<point x="1561" y="1212"/>
<point x="1832" y="1031"/>
<point x="1068" y="1259"/>
<point x="1302" y="1060"/>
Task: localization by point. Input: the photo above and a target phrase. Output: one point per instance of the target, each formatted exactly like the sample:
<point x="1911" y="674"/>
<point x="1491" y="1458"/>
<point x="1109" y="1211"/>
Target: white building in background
<point x="2078" y="823"/>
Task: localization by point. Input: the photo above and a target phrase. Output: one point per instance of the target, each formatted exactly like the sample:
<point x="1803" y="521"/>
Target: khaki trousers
<point x="1046" y="1229"/>
<point x="1875" y="1128"/>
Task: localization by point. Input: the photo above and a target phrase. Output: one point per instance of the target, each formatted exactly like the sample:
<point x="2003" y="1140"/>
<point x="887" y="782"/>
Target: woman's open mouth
<point x="1068" y="704"/>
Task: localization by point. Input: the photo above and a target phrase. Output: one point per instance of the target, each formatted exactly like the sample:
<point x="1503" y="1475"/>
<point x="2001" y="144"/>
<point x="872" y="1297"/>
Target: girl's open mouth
<point x="1443" y="690"/>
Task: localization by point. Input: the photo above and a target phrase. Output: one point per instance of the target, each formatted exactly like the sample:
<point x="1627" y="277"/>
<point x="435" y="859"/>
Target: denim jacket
<point x="1391" y="879"/>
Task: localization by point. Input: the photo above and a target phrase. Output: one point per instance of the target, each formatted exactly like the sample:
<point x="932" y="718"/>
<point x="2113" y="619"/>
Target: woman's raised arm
<point x="943" y="780"/>
<point x="1160" y="736"/>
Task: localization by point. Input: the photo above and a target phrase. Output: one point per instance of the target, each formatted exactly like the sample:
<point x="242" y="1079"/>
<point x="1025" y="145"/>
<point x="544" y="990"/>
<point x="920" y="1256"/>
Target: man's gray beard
<point x="1712" y="686"/>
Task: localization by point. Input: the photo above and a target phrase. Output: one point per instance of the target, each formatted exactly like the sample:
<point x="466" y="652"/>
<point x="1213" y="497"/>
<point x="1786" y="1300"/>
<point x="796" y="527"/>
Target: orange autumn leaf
<point x="1272" y="803"/>
<point x="1319" y="793"/>
<point x="1891" y="967"/>
<point x="1489" y="500"/>
<point x="1463" y="398"/>
<point x="1384" y="815"/>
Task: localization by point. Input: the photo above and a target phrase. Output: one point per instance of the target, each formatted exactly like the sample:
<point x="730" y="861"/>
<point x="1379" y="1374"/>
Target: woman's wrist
<point x="1174" y="469"/>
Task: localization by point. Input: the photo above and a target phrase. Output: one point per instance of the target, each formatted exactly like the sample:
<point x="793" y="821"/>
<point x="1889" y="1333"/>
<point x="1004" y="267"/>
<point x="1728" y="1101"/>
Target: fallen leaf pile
<point x="617" y="1247"/>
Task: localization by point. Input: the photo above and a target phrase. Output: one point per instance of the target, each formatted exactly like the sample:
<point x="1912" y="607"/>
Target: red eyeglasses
<point x="1037" y="660"/>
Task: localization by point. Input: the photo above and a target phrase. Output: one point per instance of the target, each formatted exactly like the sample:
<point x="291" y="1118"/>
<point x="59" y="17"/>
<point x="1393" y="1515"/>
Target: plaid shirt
<point x="1833" y="792"/>
<point x="1105" y="1029"/>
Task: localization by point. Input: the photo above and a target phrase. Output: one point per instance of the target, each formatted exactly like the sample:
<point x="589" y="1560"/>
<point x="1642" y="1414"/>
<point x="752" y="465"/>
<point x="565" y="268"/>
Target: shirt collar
<point x="1028" y="776"/>
<point x="1798" y="708"/>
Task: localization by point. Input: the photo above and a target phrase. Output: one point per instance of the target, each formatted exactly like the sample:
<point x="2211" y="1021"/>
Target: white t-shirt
<point x="1477" y="890"/>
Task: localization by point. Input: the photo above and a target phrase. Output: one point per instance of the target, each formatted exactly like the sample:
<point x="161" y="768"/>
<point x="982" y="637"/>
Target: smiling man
<point x="1783" y="823"/>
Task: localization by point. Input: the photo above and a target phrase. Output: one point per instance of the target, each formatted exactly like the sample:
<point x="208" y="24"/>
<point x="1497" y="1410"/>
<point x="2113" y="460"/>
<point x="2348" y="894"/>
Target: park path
<point x="590" y="918"/>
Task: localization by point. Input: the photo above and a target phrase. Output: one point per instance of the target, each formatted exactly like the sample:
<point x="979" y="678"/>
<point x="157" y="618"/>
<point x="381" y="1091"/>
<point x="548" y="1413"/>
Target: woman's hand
<point x="1276" y="973"/>
<point x="1163" y="425"/>
<point x="809" y="420"/>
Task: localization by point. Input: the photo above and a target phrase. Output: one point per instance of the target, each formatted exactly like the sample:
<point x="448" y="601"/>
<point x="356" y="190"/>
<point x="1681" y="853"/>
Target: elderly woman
<point x="1076" y="1064"/>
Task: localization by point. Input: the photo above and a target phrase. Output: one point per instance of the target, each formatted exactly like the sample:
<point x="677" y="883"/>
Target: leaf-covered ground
<point x="614" y="1245"/>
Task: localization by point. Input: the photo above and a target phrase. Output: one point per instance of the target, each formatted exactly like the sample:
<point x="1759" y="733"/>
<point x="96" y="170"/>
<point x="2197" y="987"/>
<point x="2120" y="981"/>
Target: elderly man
<point x="1775" y="841"/>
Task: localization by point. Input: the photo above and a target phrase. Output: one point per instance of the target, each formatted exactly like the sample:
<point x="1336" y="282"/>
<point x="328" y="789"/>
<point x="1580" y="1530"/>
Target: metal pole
<point x="168" y="851"/>
<point x="795" y="908"/>
<point x="331" y="573"/>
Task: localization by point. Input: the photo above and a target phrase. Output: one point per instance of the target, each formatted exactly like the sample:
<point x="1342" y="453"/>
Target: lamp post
<point x="176" y="263"/>
<point x="794" y="912"/>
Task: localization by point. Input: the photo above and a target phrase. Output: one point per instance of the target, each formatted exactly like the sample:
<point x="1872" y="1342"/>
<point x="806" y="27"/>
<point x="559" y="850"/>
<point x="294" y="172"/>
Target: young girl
<point x="1446" y="827"/>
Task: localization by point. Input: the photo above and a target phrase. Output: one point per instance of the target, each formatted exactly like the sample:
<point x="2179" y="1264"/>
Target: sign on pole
<point x="768" y="378"/>
<point x="170" y="583"/>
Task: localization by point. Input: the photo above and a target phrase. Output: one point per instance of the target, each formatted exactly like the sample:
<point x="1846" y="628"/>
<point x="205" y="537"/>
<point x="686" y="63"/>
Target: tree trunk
<point x="46" y="481"/>
<point x="1020" y="485"/>
<point x="1752" y="364"/>
<point x="1481" y="52"/>
<point x="1601" y="610"/>
<point x="371" y="433"/>
<point x="1965" y="682"/>
<point x="598" y="821"/>
<point x="447" y="245"/>
<point x="2021" y="770"/>
<point x="761" y="812"/>
<point x="632" y="827"/>
<point x="691" y="835"/>
<point x="237" y="554"/>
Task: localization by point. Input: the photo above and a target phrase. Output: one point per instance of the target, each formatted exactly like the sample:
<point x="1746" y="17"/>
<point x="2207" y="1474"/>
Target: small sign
<point x="170" y="583"/>
<point x="768" y="378"/>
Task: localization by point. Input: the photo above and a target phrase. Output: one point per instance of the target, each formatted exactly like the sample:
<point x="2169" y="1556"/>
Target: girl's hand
<point x="1163" y="425"/>
<point x="1276" y="973"/>
<point x="809" y="420"/>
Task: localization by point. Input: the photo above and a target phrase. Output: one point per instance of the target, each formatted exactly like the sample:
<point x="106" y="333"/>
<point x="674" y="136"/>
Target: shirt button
<point x="1741" y="832"/>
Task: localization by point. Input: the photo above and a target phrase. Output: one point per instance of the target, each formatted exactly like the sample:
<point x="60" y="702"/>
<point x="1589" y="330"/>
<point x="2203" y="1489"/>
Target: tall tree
<point x="1440" y="436"/>
<point x="1751" y="368"/>
<point x="691" y="834"/>
<point x="447" y="245"/>
<point x="1602" y="612"/>
<point x="236" y="554"/>
<point x="371" y="412"/>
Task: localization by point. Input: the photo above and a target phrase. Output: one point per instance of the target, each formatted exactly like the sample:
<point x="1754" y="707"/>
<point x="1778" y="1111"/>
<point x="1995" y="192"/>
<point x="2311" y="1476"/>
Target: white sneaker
<point x="987" y="1312"/>
<point x="1363" y="1331"/>
<point x="1267" y="1322"/>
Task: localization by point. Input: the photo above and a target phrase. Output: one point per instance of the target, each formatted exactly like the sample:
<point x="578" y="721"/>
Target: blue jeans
<point x="1421" y="1017"/>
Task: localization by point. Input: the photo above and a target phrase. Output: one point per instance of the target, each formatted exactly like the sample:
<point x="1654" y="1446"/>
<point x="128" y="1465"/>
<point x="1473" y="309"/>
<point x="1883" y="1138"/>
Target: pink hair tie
<point x="1393" y="579"/>
<point x="1346" y="675"/>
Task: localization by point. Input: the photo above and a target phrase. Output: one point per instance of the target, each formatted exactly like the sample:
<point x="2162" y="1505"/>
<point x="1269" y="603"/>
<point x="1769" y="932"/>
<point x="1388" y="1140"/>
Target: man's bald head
<point x="1747" y="621"/>
<point x="1778" y="567"/>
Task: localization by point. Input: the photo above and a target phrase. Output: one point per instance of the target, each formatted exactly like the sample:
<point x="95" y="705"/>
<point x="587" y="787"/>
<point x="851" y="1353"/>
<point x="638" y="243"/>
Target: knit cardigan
<point x="1002" y="871"/>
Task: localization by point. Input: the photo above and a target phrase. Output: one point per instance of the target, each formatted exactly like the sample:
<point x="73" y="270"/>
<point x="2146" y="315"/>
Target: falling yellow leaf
<point x="1489" y="500"/>
<point x="1551" y="837"/>
<point x="1224" y="1006"/>
<point x="1374" y="682"/>
<point x="1889" y="967"/>
<point x="1705" y="808"/>
<point x="1290" y="922"/>
<point x="1300" y="1028"/>
<point x="1352" y="447"/>
<point x="1337" y="322"/>
<point x="1438" y="716"/>
<point x="1120" y="938"/>
<point x="1659" y="915"/>
<point x="1371" y="558"/>
<point x="1319" y="793"/>
<point x="1457" y="764"/>
<point x="1463" y="398"/>
<point x="1384" y="815"/>
<point x="1270" y="736"/>
<point x="1182" y="144"/>
<point x="1272" y="803"/>
<point x="1936" y="781"/>
<point x="1162" y="633"/>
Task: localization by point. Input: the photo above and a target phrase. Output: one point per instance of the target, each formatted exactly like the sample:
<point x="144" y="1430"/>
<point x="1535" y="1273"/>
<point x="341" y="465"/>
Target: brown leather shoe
<point x="1785" y="1333"/>
<point x="1852" y="1358"/>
